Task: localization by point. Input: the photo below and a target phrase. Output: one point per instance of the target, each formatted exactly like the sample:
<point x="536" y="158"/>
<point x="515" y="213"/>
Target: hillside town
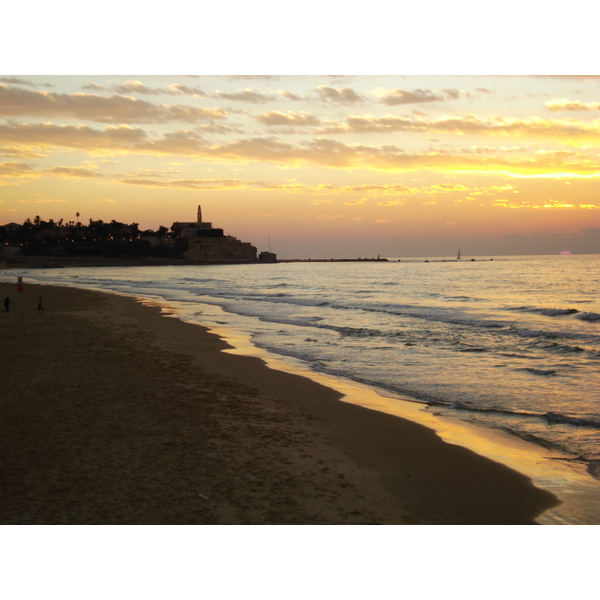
<point x="195" y="241"/>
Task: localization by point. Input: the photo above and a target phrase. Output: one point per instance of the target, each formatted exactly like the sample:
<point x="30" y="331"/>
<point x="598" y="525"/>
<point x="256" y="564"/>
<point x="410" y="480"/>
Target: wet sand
<point x="116" y="414"/>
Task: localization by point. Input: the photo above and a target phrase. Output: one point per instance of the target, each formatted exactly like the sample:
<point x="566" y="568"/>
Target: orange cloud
<point x="245" y="95"/>
<point x="102" y="109"/>
<point x="320" y="151"/>
<point x="449" y="187"/>
<point x="289" y="95"/>
<point x="551" y="203"/>
<point x="295" y="187"/>
<point x="16" y="169"/>
<point x="274" y="117"/>
<point x="343" y="95"/>
<point x="571" y="105"/>
<point x="19" y="152"/>
<point x="137" y="87"/>
<point x="469" y="125"/>
<point x="377" y="189"/>
<point x="72" y="172"/>
<point x="398" y="97"/>
<point x="81" y="137"/>
<point x="188" y="184"/>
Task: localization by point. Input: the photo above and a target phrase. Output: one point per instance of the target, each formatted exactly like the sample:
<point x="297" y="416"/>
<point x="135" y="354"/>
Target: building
<point x="206" y="243"/>
<point x="267" y="257"/>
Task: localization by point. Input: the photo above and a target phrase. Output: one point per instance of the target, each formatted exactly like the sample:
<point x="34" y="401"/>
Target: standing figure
<point x="40" y="307"/>
<point x="7" y="304"/>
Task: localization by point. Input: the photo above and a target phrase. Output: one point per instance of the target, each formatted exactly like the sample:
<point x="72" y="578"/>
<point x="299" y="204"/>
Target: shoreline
<point x="548" y="469"/>
<point x="297" y="453"/>
<point x="72" y="262"/>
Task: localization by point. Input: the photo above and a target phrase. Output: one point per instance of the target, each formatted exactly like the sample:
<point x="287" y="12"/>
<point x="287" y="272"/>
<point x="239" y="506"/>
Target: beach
<point x="117" y="414"/>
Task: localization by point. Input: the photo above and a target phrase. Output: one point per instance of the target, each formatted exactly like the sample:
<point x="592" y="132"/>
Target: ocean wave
<point x="538" y="333"/>
<point x="282" y="298"/>
<point x="553" y="417"/>
<point x="516" y="355"/>
<point x="531" y="332"/>
<point x="435" y="315"/>
<point x="541" y="372"/>
<point x="356" y="331"/>
<point x="457" y="405"/>
<point x="192" y="280"/>
<point x="483" y="323"/>
<point x="589" y="316"/>
<point x="547" y="312"/>
<point x="534" y="439"/>
<point x="557" y="312"/>
<point x="464" y="299"/>
<point x="561" y="348"/>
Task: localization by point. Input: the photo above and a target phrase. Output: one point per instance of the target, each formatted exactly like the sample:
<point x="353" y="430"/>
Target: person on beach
<point x="40" y="307"/>
<point x="7" y="304"/>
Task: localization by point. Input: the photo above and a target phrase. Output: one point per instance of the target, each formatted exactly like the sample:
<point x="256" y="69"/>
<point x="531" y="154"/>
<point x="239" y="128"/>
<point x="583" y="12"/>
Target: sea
<point x="504" y="345"/>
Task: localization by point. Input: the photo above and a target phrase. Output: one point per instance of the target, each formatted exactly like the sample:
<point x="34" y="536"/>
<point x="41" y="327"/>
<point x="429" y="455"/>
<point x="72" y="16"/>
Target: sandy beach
<point x="116" y="414"/>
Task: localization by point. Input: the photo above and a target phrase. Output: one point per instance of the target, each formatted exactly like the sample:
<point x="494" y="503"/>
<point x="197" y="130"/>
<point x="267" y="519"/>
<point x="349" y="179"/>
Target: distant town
<point x="39" y="243"/>
<point x="194" y="241"/>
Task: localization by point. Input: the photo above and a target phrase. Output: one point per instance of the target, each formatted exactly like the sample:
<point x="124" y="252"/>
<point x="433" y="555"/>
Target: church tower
<point x="199" y="214"/>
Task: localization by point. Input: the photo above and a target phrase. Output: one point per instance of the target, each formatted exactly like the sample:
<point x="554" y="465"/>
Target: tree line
<point x="98" y="238"/>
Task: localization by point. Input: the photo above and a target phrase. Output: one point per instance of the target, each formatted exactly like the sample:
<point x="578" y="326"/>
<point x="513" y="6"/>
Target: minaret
<point x="199" y="214"/>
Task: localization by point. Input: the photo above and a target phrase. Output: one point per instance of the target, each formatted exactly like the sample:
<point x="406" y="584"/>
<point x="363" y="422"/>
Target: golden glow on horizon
<point x="544" y="175"/>
<point x="550" y="204"/>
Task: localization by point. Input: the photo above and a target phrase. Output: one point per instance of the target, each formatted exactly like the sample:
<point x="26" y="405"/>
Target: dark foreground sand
<point x="114" y="414"/>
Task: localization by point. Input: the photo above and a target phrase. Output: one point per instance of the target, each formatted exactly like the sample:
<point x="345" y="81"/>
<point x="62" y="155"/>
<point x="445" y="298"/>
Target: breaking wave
<point x="553" y="417"/>
<point x="589" y="316"/>
<point x="557" y="312"/>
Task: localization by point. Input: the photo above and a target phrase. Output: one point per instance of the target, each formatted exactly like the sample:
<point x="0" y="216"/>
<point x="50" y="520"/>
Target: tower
<point x="199" y="214"/>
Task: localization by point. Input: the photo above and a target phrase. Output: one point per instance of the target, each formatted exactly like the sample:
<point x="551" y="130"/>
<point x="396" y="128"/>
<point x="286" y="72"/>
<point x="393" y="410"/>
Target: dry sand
<point x="115" y="414"/>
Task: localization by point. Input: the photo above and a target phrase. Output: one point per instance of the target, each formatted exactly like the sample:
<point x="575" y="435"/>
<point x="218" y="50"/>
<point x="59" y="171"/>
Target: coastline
<point x="66" y="262"/>
<point x="167" y="428"/>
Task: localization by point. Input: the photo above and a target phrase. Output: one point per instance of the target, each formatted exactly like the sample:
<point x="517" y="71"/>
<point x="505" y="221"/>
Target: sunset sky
<point x="322" y="166"/>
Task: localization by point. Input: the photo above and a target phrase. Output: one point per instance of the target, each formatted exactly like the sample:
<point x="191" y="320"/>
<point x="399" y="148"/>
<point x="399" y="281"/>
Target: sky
<point x="314" y="166"/>
<point x="432" y="136"/>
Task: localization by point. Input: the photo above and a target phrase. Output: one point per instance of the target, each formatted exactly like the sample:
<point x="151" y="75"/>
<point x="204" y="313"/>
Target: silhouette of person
<point x="40" y="307"/>
<point x="7" y="303"/>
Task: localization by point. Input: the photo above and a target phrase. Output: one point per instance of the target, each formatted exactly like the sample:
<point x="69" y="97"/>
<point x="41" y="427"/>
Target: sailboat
<point x="458" y="257"/>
